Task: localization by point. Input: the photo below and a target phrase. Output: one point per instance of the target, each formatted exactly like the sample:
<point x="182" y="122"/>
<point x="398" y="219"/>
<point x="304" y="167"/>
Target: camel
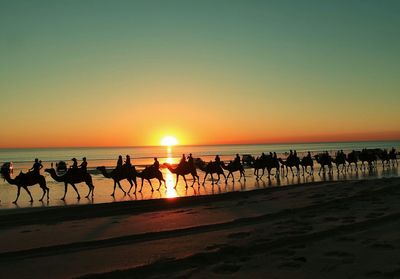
<point x="265" y="162"/>
<point x="383" y="155"/>
<point x="72" y="177"/>
<point x="352" y="158"/>
<point x="324" y="159"/>
<point x="369" y="156"/>
<point x="233" y="167"/>
<point x="120" y="174"/>
<point x="182" y="170"/>
<point x="210" y="168"/>
<point x="150" y="173"/>
<point x="340" y="160"/>
<point x="305" y="162"/>
<point x="393" y="157"/>
<point x="290" y="163"/>
<point x="24" y="180"/>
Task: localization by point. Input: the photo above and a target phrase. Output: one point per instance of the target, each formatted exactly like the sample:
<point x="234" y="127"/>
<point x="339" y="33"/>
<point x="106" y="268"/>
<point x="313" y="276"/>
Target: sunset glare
<point x="169" y="141"/>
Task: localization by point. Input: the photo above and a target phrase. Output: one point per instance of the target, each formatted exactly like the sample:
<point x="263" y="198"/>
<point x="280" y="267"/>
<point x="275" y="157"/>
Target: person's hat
<point x="73" y="159"/>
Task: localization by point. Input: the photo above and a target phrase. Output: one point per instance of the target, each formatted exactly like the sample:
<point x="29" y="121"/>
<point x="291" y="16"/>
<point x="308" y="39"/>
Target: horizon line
<point x="196" y="145"/>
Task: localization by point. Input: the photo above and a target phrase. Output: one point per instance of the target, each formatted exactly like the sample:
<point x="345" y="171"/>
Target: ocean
<point x="22" y="160"/>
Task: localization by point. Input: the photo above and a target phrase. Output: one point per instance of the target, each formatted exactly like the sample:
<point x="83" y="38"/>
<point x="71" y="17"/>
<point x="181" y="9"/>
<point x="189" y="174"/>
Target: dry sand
<point x="329" y="229"/>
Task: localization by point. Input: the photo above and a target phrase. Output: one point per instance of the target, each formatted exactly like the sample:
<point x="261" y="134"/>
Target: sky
<point x="127" y="73"/>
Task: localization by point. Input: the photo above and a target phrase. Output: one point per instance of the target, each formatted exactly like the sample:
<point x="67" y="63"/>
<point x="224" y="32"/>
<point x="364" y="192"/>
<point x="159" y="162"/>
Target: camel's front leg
<point x="204" y="180"/>
<point x="151" y="185"/>
<point x="177" y="179"/>
<point x="184" y="178"/>
<point x="159" y="186"/>
<point x="65" y="190"/>
<point x="119" y="185"/>
<point x="115" y="186"/>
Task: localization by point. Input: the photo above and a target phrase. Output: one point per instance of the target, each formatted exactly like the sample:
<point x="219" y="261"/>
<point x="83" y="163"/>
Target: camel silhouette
<point x="324" y="160"/>
<point x="305" y="162"/>
<point x="352" y="158"/>
<point x="393" y="157"/>
<point x="265" y="162"/>
<point x="210" y="168"/>
<point x="24" y="180"/>
<point x="118" y="174"/>
<point x="149" y="173"/>
<point x="368" y="156"/>
<point x="233" y="167"/>
<point x="340" y="161"/>
<point x="182" y="170"/>
<point x="290" y="163"/>
<point x="72" y="178"/>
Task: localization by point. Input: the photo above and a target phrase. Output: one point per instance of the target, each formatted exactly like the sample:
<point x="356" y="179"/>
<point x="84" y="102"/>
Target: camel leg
<point x="194" y="179"/>
<point x="141" y="187"/>
<point x="115" y="186"/>
<point x="119" y="185"/>
<point x="44" y="193"/>
<point x="18" y="192"/>
<point x="130" y="183"/>
<point x="225" y="177"/>
<point x="184" y="178"/>
<point x="205" y="178"/>
<point x="29" y="192"/>
<point x="177" y="179"/>
<point x="198" y="180"/>
<point x="151" y="185"/>
<point x="212" y="179"/>
<point x="65" y="190"/>
<point x="76" y="190"/>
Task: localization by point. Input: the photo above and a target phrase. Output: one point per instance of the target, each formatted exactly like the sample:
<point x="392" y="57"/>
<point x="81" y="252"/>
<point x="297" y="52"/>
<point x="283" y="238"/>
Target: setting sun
<point x="169" y="141"/>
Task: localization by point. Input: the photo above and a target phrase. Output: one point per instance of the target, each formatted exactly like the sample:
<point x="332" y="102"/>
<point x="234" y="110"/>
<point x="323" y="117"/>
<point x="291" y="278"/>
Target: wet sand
<point x="326" y="229"/>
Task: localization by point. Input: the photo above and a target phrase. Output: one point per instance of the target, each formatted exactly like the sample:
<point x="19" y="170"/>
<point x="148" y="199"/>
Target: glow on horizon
<point x="169" y="141"/>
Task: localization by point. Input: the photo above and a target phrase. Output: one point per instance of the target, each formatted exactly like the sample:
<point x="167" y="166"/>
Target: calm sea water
<point x="23" y="158"/>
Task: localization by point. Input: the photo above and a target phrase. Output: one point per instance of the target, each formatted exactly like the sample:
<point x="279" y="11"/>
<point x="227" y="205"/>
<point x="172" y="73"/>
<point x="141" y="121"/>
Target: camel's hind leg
<point x="134" y="181"/>
<point x="18" y="193"/>
<point x="161" y="180"/>
<point x="122" y="189"/>
<point x="29" y="193"/>
<point x="151" y="185"/>
<point x="76" y="190"/>
<point x="204" y="180"/>
<point x="184" y="178"/>
<point x="115" y="186"/>
<point x="177" y="179"/>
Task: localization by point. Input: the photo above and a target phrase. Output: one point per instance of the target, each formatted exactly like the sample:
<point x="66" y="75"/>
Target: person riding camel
<point x="190" y="161"/>
<point x="119" y="162"/>
<point x="237" y="159"/>
<point x="128" y="163"/>
<point x="83" y="165"/>
<point x="37" y="166"/>
<point x="183" y="160"/>
<point x="217" y="160"/>
<point x="74" y="167"/>
<point x="156" y="164"/>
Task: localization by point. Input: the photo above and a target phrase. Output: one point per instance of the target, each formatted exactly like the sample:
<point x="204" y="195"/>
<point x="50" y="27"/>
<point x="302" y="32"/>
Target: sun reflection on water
<point x="170" y="178"/>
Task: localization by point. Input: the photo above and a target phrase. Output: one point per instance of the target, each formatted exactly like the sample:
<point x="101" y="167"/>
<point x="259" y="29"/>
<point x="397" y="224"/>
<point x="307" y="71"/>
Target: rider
<point x="83" y="165"/>
<point x="190" y="160"/>
<point x="237" y="159"/>
<point x="156" y="164"/>
<point x="128" y="163"/>
<point x="37" y="166"/>
<point x="74" y="166"/>
<point x="217" y="160"/>
<point x="119" y="162"/>
<point x="183" y="160"/>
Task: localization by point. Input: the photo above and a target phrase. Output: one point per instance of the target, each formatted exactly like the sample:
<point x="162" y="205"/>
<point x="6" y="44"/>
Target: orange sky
<point x="199" y="72"/>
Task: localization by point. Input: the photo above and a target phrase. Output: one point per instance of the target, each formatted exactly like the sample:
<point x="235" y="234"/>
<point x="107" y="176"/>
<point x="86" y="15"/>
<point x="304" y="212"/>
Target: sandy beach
<point x="325" y="229"/>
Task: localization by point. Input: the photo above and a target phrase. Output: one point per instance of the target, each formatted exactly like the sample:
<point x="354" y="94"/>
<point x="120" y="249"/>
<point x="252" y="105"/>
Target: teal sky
<point x="128" y="72"/>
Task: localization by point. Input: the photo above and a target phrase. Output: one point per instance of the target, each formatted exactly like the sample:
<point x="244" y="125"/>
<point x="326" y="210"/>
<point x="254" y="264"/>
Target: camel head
<point x="6" y="169"/>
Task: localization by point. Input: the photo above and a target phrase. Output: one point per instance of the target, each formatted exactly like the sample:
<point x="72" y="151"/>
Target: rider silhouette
<point x="37" y="166"/>
<point x="83" y="165"/>
<point x="237" y="159"/>
<point x="217" y="159"/>
<point x="190" y="160"/>
<point x="119" y="162"/>
<point x="156" y="164"/>
<point x="183" y="160"/>
<point x="74" y="167"/>
<point x="128" y="163"/>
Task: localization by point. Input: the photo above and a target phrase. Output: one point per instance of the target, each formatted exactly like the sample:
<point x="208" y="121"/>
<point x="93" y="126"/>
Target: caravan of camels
<point x="292" y="164"/>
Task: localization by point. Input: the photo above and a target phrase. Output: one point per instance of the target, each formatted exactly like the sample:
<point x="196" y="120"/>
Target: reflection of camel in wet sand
<point x="340" y="161"/>
<point x="324" y="160"/>
<point x="182" y="170"/>
<point x="24" y="180"/>
<point x="73" y="177"/>
<point x="233" y="167"/>
<point x="210" y="168"/>
<point x="120" y="174"/>
<point x="150" y="173"/>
